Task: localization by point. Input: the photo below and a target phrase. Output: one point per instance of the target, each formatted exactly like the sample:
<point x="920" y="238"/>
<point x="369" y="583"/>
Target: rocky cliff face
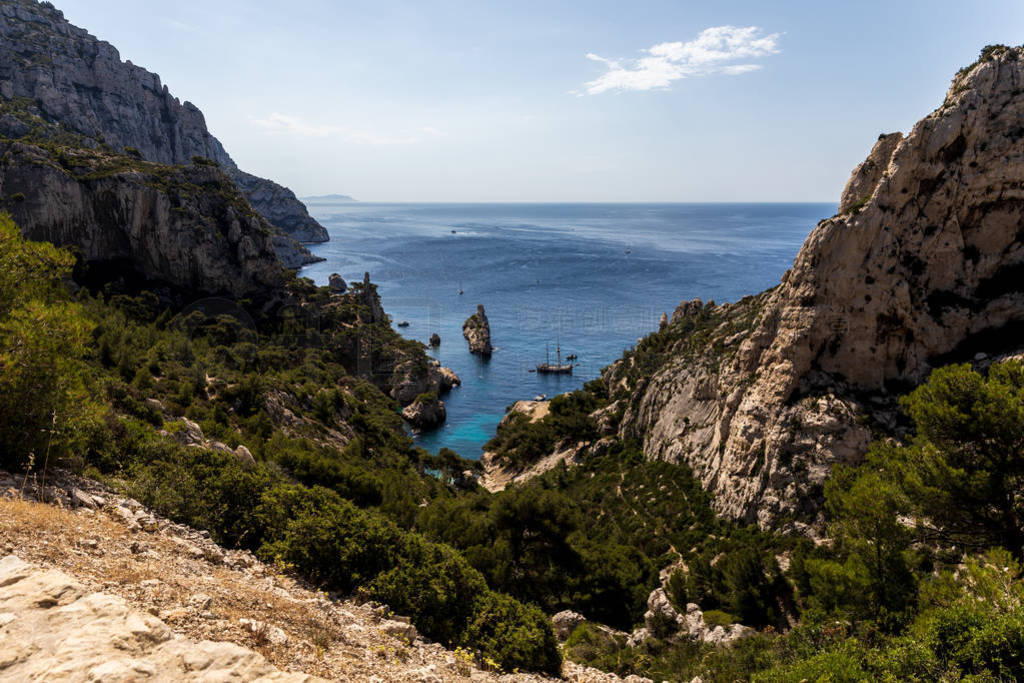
<point x="78" y="80"/>
<point x="280" y="206"/>
<point x="186" y="226"/>
<point x="922" y="267"/>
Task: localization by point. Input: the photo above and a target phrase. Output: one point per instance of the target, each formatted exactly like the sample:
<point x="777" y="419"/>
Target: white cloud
<point x="180" y="25"/>
<point x="708" y="53"/>
<point x="283" y="124"/>
<point x="737" y="69"/>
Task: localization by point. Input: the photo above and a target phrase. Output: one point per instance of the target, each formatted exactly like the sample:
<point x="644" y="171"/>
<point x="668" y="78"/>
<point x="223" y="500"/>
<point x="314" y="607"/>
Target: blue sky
<point x="446" y="100"/>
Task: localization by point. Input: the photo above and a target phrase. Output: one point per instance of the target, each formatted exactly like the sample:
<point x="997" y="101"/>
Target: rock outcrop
<point x="370" y="301"/>
<point x="435" y="339"/>
<point x="81" y="82"/>
<point x="761" y="397"/>
<point x="409" y="380"/>
<point x="279" y="205"/>
<point x="866" y="177"/>
<point x="662" y="620"/>
<point x="477" y="331"/>
<point x="426" y="411"/>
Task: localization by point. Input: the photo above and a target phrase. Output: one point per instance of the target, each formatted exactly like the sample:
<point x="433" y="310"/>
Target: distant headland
<point x="327" y="198"/>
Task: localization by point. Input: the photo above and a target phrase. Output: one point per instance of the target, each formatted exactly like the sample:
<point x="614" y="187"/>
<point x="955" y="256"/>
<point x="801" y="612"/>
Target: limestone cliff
<point x="185" y="226"/>
<point x="922" y="267"/>
<point x="80" y="81"/>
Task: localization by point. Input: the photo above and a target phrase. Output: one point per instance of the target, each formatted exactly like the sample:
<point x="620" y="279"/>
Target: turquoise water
<point x="590" y="277"/>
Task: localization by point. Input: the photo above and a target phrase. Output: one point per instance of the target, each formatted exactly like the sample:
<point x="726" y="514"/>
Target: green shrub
<point x="328" y="538"/>
<point x="714" y="617"/>
<point x="42" y="347"/>
<point x="514" y="635"/>
<point x="203" y="161"/>
<point x="434" y="586"/>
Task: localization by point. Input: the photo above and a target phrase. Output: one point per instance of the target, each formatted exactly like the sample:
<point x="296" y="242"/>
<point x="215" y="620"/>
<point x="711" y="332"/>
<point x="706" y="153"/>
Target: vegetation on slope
<point x="102" y="381"/>
<point x="920" y="579"/>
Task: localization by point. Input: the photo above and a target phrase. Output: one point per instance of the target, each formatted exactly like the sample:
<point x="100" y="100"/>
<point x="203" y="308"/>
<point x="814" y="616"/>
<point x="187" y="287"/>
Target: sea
<point x="584" y="279"/>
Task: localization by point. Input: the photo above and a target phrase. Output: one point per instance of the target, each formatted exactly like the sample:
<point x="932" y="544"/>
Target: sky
<point x="548" y="101"/>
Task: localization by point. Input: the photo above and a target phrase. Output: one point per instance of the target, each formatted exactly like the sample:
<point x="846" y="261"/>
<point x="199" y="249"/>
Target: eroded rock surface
<point x="51" y="626"/>
<point x="762" y="397"/>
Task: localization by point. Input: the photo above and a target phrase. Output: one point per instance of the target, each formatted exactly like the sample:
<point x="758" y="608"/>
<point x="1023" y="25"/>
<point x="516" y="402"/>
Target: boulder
<point x="244" y="456"/>
<point x="399" y="629"/>
<point x="337" y="284"/>
<point x="565" y="622"/>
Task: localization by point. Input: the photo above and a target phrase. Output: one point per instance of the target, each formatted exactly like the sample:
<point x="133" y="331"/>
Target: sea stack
<point x="477" y="332"/>
<point x="435" y="339"/>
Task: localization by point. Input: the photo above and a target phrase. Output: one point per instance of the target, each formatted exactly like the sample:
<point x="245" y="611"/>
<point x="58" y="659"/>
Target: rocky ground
<point x="153" y="593"/>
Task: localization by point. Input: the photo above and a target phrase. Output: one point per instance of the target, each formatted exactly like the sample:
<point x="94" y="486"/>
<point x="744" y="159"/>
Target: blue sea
<point x="590" y="278"/>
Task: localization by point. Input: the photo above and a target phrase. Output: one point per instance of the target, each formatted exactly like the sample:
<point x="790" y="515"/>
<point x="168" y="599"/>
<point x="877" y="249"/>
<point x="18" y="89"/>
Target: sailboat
<point x="546" y="368"/>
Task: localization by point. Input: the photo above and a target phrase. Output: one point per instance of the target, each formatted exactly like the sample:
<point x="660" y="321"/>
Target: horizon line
<point x="312" y="198"/>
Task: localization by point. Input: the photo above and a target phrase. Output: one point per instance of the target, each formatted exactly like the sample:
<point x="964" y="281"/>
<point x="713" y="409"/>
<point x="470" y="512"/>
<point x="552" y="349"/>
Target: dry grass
<point x="202" y="601"/>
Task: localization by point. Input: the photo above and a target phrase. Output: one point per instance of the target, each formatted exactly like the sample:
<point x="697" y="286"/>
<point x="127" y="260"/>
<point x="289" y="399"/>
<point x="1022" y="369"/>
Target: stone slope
<point x="51" y="626"/>
<point x="81" y="81"/>
<point x="922" y="268"/>
<point x="105" y="586"/>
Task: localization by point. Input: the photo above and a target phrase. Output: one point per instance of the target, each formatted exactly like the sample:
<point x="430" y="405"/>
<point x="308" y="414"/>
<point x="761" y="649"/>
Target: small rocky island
<point x="425" y="412"/>
<point x="477" y="331"/>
